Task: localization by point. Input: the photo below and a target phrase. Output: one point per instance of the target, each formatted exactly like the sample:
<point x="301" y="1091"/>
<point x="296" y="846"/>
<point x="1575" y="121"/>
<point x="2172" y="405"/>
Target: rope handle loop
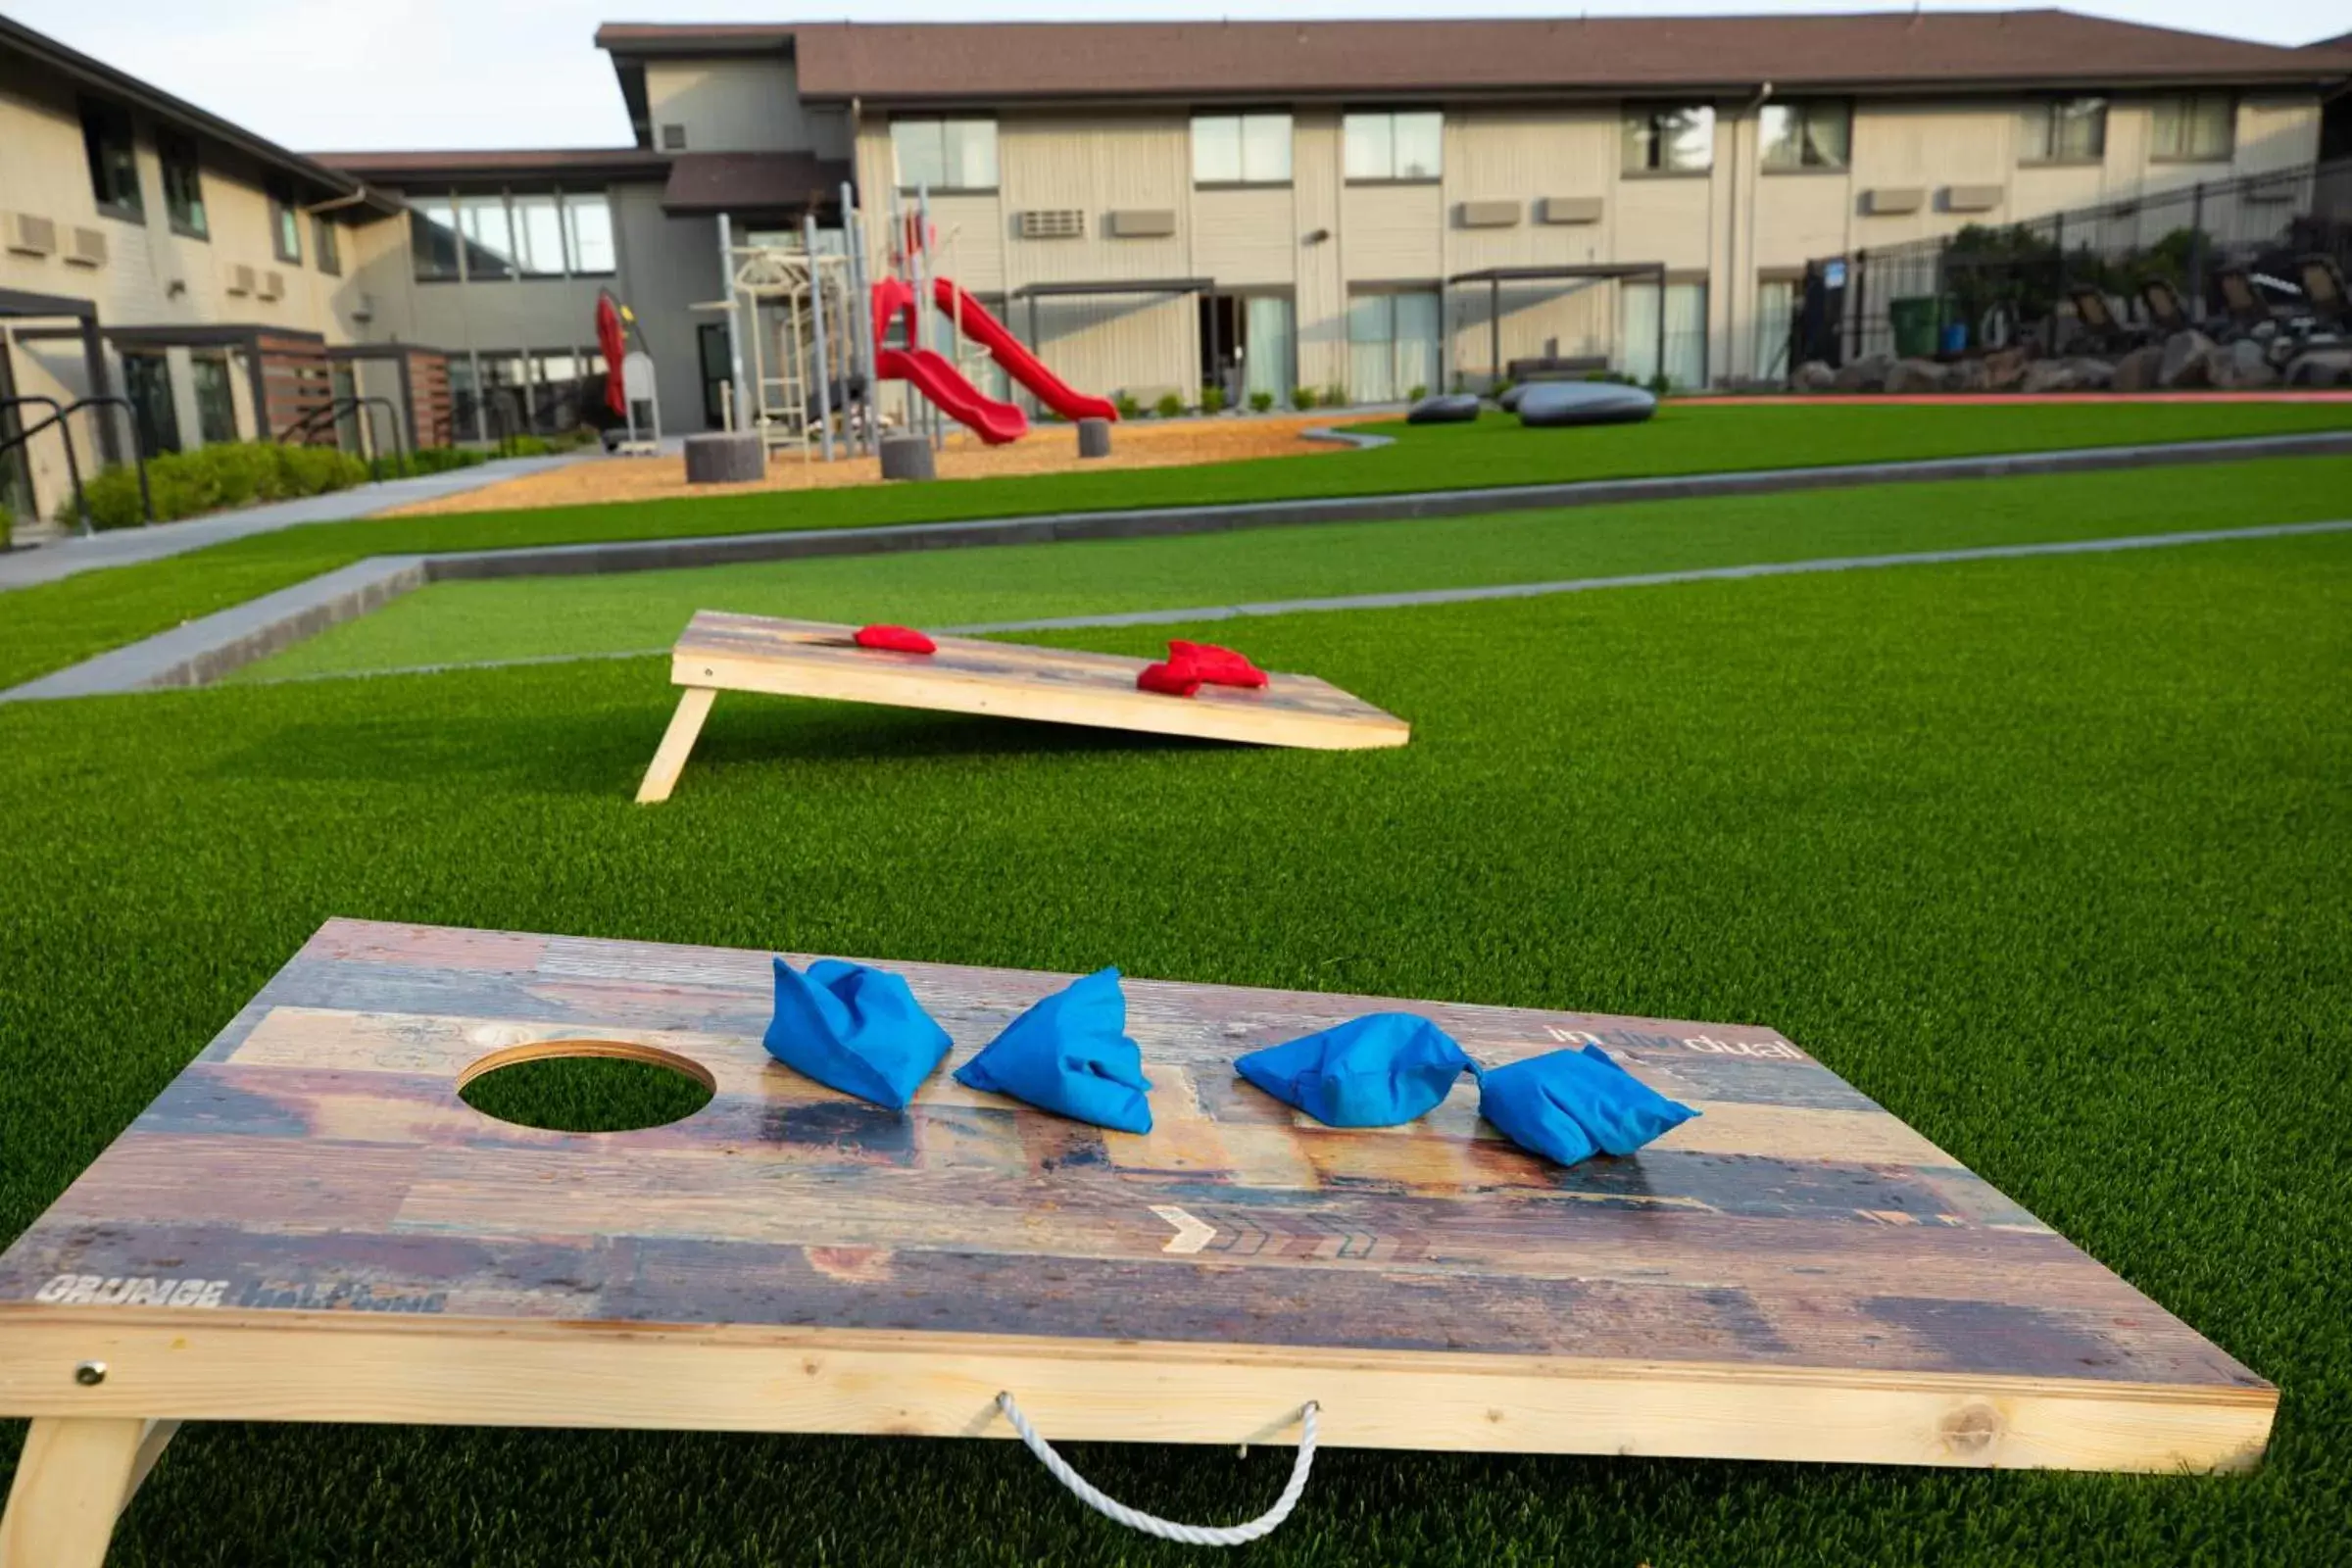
<point x="1168" y="1529"/>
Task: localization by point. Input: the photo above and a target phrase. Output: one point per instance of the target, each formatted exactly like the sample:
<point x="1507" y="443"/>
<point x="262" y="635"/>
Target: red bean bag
<point x="898" y="639"/>
<point x="1218" y="666"/>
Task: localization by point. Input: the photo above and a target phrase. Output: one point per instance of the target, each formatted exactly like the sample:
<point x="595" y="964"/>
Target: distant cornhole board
<point x="722" y="652"/>
<point x="310" y="1224"/>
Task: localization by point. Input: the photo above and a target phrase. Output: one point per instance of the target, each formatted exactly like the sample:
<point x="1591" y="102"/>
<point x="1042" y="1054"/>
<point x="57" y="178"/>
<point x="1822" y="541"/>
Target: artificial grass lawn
<point x="2047" y="855"/>
<point x="55" y="624"/>
<point x="552" y="617"/>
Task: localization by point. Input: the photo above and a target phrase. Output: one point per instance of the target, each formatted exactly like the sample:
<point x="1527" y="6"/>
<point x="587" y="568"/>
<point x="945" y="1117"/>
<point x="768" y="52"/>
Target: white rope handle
<point x="1169" y="1529"/>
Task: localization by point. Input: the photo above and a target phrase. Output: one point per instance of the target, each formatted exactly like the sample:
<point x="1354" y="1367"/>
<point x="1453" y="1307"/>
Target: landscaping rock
<point x="906" y="457"/>
<point x="1864" y="374"/>
<point x="1094" y="438"/>
<point x="1969" y="376"/>
<point x="2005" y="369"/>
<point x="2049" y="376"/>
<point x="1917" y="375"/>
<point x="2184" y="360"/>
<point x="1508" y="400"/>
<point x="1557" y="403"/>
<point x="1814" y="375"/>
<point x="1452" y="407"/>
<point x="2137" y="370"/>
<point x="2092" y="375"/>
<point x="2320" y="367"/>
<point x="2240" y="366"/>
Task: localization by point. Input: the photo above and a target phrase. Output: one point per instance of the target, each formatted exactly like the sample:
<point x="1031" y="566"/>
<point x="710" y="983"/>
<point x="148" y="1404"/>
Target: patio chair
<point x="2164" y="306"/>
<point x="2101" y="325"/>
<point x="2324" y="286"/>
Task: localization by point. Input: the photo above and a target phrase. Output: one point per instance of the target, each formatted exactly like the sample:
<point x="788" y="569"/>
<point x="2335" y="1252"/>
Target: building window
<point x="588" y="234"/>
<point x="147" y="384"/>
<point x="1686" y="306"/>
<point x="465" y="405"/>
<point x="718" y="362"/>
<point x="2194" y="128"/>
<point x="1671" y="139"/>
<point x="1807" y="136"/>
<point x="326" y="246"/>
<point x="1392" y="345"/>
<point x="433" y="240"/>
<point x="106" y="137"/>
<point x="1242" y="150"/>
<point x="502" y="390"/>
<point x="183" y="186"/>
<point x="215" y="404"/>
<point x="1775" y="318"/>
<point x="2063" y="131"/>
<point x="945" y="154"/>
<point x="1409" y="145"/>
<point x="489" y="238"/>
<point x="538" y="236"/>
<point x="285" y="223"/>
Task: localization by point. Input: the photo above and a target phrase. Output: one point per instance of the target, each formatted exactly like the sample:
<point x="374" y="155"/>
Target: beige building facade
<point x="1364" y="208"/>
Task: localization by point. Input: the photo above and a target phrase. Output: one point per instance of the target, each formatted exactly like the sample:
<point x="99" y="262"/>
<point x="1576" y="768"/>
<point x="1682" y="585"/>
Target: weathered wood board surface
<point x="724" y="651"/>
<point x="310" y="1224"/>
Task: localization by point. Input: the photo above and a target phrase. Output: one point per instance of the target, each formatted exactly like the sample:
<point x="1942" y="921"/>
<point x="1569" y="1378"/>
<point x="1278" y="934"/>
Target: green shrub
<point x="1261" y="401"/>
<point x="1335" y="397"/>
<point x="1128" y="407"/>
<point x="215" y="479"/>
<point x="1213" y="400"/>
<point x="1302" y="397"/>
<point x="8" y="526"/>
<point x="1417" y="393"/>
<point x="528" y="446"/>
<point x="1659" y="385"/>
<point x="1501" y="386"/>
<point x="441" y="460"/>
<point x="1169" y="406"/>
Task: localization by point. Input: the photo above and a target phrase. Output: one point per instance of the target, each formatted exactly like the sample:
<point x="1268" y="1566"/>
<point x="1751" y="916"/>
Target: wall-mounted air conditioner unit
<point x="273" y="286"/>
<point x="88" y="248"/>
<point x="1887" y="201"/>
<point x="1141" y="223"/>
<point x="239" y="282"/>
<point x="28" y="235"/>
<point x="1972" y="198"/>
<point x="1488" y="215"/>
<point x="1570" y="209"/>
<point x="1052" y="223"/>
<point x="363" y="308"/>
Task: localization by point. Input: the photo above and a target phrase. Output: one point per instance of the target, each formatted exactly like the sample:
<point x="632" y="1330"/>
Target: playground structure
<point x="811" y="338"/>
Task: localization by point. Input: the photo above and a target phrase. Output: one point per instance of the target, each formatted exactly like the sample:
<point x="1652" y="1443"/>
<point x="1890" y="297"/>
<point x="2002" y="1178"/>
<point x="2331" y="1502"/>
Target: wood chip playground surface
<point x="1142" y="443"/>
<point x="2045" y="855"/>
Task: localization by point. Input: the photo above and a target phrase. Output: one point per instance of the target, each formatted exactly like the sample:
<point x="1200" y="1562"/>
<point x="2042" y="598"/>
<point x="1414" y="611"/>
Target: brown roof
<point x="751" y="183"/>
<point x="601" y="162"/>
<point x="1900" y="51"/>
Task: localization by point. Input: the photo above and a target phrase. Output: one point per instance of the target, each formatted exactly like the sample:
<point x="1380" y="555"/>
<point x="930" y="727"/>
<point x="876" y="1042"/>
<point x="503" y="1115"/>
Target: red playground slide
<point x="931" y="374"/>
<point x="1021" y="365"/>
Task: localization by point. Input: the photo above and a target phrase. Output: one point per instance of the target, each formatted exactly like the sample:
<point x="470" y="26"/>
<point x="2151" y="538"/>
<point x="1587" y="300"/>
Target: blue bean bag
<point x="1373" y="1072"/>
<point x="1569" y="1105"/>
<point x="854" y="1029"/>
<point x="1071" y="1054"/>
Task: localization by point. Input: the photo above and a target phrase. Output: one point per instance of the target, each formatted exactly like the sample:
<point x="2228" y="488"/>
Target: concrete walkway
<point x="124" y="547"/>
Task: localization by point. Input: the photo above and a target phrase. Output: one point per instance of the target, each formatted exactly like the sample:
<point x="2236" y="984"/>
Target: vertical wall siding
<point x="1322" y="310"/>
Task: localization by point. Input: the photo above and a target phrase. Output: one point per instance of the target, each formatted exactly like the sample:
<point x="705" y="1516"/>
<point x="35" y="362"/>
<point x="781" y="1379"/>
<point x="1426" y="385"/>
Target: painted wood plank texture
<point x="724" y="652"/>
<point x="314" y="1170"/>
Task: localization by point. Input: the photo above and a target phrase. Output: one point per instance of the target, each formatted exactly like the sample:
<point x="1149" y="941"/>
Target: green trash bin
<point x="1915" y="322"/>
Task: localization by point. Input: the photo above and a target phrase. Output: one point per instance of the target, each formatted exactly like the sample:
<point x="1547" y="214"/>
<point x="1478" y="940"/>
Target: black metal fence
<point x="1990" y="285"/>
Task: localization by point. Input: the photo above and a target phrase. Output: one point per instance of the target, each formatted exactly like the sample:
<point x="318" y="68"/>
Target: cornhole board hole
<point x="309" y="1225"/>
<point x="722" y="652"/>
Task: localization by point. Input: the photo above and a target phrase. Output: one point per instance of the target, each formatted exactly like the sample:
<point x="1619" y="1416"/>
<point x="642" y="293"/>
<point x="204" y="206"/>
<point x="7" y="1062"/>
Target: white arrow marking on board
<point x="1191" y="1234"/>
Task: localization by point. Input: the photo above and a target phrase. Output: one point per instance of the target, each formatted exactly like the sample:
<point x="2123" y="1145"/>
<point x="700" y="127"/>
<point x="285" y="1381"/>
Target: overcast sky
<point x="349" y="75"/>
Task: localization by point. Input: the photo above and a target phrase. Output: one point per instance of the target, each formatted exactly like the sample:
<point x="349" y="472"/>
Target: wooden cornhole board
<point x="722" y="652"/>
<point x="309" y="1225"/>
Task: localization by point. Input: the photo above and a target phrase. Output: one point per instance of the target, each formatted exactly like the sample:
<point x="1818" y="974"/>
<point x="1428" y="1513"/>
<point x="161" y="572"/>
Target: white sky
<point x="353" y="75"/>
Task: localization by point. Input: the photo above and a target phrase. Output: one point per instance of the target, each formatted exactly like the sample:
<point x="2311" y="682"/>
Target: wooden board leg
<point x="694" y="706"/>
<point x="74" y="1479"/>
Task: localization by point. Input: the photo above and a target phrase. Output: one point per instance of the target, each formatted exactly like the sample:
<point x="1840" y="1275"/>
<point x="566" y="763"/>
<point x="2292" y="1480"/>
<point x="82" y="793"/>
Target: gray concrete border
<point x="204" y="649"/>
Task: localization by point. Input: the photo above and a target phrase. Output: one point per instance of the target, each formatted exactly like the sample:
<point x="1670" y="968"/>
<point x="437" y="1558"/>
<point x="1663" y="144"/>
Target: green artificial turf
<point x="553" y="616"/>
<point x="2047" y="855"/>
<point x="47" y="627"/>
